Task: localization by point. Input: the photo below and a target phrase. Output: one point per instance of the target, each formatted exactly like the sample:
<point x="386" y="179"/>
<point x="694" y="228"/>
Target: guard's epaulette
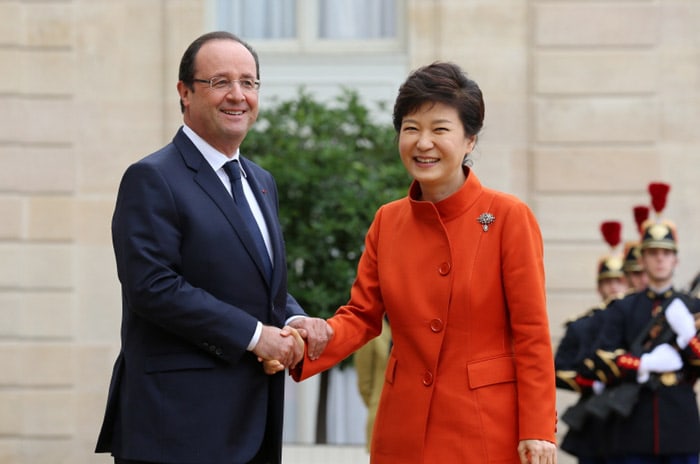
<point x="615" y="297"/>
<point x="566" y="380"/>
<point x="588" y="313"/>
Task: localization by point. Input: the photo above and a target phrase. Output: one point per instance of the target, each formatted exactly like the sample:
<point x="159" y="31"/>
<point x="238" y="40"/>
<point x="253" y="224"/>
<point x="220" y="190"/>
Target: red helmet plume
<point x="612" y="232"/>
<point x="641" y="214"/>
<point x="658" y="192"/>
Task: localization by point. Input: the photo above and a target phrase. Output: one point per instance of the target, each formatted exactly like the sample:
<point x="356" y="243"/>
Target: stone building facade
<point x="587" y="102"/>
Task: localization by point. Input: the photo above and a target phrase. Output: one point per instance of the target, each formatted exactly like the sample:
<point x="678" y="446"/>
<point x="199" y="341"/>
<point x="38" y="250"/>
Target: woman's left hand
<point x="537" y="452"/>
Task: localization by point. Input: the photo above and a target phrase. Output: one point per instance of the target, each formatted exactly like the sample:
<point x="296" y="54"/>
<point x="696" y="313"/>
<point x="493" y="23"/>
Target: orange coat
<point x="471" y="371"/>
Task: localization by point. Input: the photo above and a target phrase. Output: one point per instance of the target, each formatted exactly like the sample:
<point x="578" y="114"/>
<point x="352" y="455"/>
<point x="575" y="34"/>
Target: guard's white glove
<point x="663" y="358"/>
<point x="681" y="321"/>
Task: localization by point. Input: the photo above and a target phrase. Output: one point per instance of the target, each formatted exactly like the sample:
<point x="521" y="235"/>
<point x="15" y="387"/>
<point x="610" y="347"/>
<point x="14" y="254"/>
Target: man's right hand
<point x="282" y="345"/>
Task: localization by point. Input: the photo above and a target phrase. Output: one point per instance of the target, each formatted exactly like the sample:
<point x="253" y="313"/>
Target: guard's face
<point x="659" y="264"/>
<point x="614" y="286"/>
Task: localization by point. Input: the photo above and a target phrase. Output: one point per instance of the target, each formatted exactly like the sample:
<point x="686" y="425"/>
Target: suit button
<point x="212" y="348"/>
<point x="218" y="352"/>
<point x="436" y="325"/>
<point x="444" y="268"/>
<point x="428" y="378"/>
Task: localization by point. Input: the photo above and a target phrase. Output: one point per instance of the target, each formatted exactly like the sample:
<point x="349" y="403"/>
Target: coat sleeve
<point x="524" y="286"/>
<point x="360" y="320"/>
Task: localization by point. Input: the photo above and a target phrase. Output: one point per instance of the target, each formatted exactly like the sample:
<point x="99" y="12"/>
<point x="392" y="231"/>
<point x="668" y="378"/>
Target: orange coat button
<point x="444" y="268"/>
<point x="436" y="325"/>
<point x="428" y="378"/>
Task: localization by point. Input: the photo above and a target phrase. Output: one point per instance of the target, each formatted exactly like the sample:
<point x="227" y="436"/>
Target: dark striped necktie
<point x="233" y="170"/>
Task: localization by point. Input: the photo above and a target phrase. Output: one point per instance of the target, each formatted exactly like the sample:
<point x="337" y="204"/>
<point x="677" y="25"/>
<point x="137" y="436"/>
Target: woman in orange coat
<point x="458" y="269"/>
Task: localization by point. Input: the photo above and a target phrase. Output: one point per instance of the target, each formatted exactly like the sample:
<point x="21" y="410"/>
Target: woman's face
<point x="432" y="145"/>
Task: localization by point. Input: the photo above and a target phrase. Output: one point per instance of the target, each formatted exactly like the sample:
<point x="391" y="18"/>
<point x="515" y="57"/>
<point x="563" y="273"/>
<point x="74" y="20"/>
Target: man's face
<point x="637" y="280"/>
<point x="221" y="117"/>
<point x="659" y="264"/>
<point x="613" y="286"/>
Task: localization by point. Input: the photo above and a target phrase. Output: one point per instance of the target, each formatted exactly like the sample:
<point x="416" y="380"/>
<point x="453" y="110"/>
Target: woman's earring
<point x="467" y="161"/>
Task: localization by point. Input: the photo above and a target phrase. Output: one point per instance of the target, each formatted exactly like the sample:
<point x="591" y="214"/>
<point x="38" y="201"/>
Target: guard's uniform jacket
<point x="590" y="438"/>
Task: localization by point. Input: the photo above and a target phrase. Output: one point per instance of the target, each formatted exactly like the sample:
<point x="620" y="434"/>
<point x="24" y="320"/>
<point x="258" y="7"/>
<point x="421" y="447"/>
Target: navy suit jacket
<point x="184" y="388"/>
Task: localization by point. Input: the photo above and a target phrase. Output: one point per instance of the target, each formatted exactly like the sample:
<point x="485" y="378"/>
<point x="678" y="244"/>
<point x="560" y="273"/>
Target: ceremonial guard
<point x="587" y="435"/>
<point x="644" y="355"/>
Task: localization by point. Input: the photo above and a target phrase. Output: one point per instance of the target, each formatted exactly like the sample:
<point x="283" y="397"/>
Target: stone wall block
<point x="597" y="120"/>
<point x="44" y="266"/>
<point x="48" y="24"/>
<point x="47" y="365"/>
<point x="577" y="218"/>
<point x="10" y="73"/>
<point x="51" y="218"/>
<point x="54" y="450"/>
<point x="11" y="413"/>
<point x="11" y="372"/>
<point x="38" y="364"/>
<point x="48" y="72"/>
<point x="48" y="121"/>
<point x="592" y="169"/>
<point x="680" y="121"/>
<point x="596" y="23"/>
<point x="13" y="214"/>
<point x="36" y="169"/>
<point x="12" y="265"/>
<point x="47" y="315"/>
<point x="49" y="266"/>
<point x="595" y="72"/>
<point x="12" y="24"/>
<point x="48" y="413"/>
<point x="572" y="266"/>
<point x="10" y="307"/>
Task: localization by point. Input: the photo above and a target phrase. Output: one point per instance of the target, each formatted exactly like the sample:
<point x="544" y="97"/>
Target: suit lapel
<point x="266" y="202"/>
<point x="209" y="181"/>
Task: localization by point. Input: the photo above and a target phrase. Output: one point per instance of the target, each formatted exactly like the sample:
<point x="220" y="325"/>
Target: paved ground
<point x="325" y="454"/>
<point x="322" y="454"/>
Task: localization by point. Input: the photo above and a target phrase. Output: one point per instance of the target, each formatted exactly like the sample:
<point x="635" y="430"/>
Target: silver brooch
<point x="485" y="219"/>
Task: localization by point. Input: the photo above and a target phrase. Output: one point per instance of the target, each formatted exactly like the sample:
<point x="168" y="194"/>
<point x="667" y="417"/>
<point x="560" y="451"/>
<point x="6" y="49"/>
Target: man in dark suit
<point x="204" y="292"/>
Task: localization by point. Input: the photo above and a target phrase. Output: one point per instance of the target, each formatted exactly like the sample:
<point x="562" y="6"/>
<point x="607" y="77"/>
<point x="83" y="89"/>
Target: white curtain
<point x="357" y="19"/>
<point x="337" y="19"/>
<point x="346" y="413"/>
<point x="258" y="19"/>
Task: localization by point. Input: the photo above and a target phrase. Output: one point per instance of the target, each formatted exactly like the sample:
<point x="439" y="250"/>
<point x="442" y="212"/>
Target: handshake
<point x="283" y="348"/>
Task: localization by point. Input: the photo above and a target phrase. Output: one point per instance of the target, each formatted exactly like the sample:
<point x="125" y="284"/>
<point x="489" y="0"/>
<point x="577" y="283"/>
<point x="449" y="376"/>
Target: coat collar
<point x="454" y="205"/>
